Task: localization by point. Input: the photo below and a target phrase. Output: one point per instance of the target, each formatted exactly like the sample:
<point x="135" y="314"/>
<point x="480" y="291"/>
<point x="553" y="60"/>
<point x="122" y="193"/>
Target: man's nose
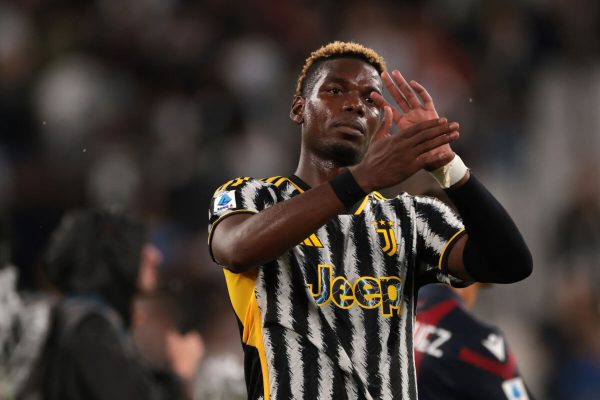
<point x="353" y="103"/>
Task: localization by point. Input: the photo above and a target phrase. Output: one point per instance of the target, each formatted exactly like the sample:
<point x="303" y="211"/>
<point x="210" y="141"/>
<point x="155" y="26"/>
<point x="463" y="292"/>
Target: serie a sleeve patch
<point x="225" y="201"/>
<point x="514" y="389"/>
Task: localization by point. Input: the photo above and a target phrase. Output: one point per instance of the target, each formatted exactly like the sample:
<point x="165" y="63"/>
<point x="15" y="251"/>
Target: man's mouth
<point x="352" y="127"/>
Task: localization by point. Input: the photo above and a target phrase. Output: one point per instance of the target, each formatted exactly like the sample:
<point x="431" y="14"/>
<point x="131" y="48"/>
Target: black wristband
<point x="346" y="189"/>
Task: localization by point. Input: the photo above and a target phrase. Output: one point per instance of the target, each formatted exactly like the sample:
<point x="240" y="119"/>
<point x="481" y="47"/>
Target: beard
<point x="342" y="154"/>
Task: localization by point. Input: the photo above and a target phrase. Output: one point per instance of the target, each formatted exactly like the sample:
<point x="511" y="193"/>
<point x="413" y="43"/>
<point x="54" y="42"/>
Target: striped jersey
<point x="332" y="317"/>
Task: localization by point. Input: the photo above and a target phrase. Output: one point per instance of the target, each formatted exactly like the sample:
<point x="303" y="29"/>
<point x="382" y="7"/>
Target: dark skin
<point x="345" y="124"/>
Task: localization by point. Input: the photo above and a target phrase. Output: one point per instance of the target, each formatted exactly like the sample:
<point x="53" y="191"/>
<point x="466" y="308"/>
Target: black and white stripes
<point x="356" y="344"/>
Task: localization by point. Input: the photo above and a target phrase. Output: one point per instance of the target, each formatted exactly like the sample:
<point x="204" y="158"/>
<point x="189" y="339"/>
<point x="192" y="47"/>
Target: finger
<point x="445" y="138"/>
<point x="424" y="94"/>
<point x="384" y="131"/>
<point x="406" y="90"/>
<point x="421" y="126"/>
<point x="429" y="134"/>
<point x="394" y="92"/>
<point x="381" y="102"/>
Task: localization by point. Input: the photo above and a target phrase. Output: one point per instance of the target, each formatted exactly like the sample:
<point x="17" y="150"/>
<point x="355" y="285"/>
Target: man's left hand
<point x="414" y="105"/>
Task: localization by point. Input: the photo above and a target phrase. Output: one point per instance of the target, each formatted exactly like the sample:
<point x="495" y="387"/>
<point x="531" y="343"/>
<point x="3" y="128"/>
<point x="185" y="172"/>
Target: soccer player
<point x="459" y="357"/>
<point x="322" y="270"/>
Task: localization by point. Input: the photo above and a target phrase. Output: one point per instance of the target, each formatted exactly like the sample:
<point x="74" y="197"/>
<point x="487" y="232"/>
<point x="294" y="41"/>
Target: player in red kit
<point x="459" y="357"/>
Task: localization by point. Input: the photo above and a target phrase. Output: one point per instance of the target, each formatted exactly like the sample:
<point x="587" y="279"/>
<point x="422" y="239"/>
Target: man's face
<point x="339" y="116"/>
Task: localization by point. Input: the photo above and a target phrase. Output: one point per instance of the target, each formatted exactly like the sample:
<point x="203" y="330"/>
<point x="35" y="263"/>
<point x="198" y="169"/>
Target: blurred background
<point x="149" y="105"/>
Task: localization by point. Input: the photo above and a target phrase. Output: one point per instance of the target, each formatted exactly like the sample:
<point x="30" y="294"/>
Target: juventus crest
<point x="386" y="230"/>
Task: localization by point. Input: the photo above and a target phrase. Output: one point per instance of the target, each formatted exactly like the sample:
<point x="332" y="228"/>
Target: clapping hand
<point x="414" y="105"/>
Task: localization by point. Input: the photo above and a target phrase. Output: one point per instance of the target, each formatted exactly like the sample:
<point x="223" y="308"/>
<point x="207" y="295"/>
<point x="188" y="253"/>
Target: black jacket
<point x="88" y="355"/>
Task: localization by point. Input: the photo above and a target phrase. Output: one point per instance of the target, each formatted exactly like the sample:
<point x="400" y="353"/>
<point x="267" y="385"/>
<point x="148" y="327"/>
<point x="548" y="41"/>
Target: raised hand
<point x="414" y="105"/>
<point x="390" y="160"/>
<point x="414" y="108"/>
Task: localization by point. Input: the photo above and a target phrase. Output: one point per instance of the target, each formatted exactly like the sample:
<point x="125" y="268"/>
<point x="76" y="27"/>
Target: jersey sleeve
<point x="438" y="229"/>
<point x="240" y="195"/>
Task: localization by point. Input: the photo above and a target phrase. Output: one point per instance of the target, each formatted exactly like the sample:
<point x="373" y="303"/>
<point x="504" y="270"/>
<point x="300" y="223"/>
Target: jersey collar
<point x="296" y="180"/>
<point x="299" y="182"/>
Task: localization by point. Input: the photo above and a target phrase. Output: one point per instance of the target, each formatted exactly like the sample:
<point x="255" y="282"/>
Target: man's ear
<point x="297" y="110"/>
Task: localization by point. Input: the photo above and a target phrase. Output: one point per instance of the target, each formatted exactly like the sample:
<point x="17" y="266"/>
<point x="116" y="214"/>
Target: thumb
<point x="384" y="130"/>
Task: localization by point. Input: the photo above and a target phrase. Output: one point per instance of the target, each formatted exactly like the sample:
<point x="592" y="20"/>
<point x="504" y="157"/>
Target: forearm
<point x="495" y="250"/>
<point x="244" y="241"/>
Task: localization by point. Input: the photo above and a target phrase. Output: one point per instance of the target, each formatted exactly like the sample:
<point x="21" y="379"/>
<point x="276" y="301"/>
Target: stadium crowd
<point x="148" y="105"/>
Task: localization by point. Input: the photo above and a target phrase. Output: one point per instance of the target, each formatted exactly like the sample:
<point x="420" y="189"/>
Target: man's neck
<point x="315" y="171"/>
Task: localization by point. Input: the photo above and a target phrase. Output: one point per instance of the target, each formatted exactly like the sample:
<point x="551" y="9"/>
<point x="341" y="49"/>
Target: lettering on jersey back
<point x="428" y="339"/>
<point x="367" y="292"/>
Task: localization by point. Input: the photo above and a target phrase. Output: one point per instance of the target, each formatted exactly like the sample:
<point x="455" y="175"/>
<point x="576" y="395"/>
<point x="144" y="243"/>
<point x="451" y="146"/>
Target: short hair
<point x="96" y="253"/>
<point x="334" y="50"/>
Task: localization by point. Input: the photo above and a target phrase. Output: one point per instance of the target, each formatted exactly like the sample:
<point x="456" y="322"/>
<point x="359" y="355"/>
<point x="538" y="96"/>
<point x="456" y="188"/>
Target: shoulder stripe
<point x="280" y="181"/>
<point x="239" y="181"/>
<point x="223" y="186"/>
<point x="232" y="183"/>
<point x="271" y="179"/>
<point x="298" y="188"/>
<point x="227" y="184"/>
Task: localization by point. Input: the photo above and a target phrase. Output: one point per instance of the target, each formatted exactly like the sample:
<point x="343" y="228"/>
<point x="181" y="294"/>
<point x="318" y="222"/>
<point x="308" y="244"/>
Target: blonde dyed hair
<point x="339" y="50"/>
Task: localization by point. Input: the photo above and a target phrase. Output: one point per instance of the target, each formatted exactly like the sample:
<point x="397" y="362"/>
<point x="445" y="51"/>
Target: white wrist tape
<point x="450" y="173"/>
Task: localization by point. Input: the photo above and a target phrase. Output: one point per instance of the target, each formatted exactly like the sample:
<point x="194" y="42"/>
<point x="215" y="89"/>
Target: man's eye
<point x="369" y="100"/>
<point x="334" y="90"/>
